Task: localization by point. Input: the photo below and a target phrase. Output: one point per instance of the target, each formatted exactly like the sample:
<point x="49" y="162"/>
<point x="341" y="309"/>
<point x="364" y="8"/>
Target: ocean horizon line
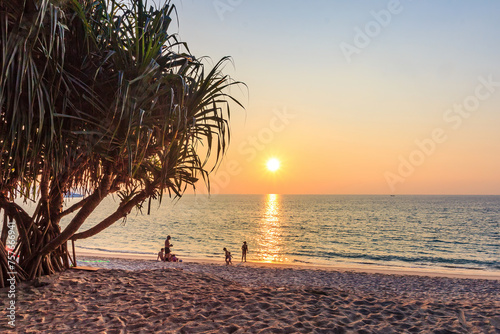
<point x="313" y="194"/>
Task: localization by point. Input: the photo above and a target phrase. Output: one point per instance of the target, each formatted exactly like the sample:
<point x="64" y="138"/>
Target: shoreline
<point x="368" y="269"/>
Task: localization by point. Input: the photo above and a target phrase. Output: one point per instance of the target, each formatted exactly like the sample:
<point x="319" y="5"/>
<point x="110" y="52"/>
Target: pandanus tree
<point x="97" y="96"/>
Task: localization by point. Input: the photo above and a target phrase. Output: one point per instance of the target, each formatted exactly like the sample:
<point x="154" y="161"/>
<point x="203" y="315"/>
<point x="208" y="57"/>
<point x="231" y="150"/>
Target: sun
<point x="273" y="164"/>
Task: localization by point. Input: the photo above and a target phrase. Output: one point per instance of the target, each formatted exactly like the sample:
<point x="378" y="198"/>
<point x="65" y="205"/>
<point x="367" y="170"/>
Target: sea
<point x="460" y="232"/>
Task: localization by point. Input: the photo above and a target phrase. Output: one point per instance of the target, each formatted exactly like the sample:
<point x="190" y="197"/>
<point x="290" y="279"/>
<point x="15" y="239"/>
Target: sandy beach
<point x="145" y="296"/>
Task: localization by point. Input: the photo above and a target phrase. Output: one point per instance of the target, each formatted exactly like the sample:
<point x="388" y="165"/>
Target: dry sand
<point x="144" y="296"/>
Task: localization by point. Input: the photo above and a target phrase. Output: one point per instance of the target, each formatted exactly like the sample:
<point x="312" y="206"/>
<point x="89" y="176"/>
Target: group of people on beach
<point x="244" y="251"/>
<point x="165" y="254"/>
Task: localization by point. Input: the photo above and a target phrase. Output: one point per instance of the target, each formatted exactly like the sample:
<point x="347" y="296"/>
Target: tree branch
<point x="12" y="210"/>
<point x="74" y="207"/>
<point x="93" y="201"/>
<point x="122" y="211"/>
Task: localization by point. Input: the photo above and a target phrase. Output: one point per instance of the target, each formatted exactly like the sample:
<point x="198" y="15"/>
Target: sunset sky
<point x="356" y="97"/>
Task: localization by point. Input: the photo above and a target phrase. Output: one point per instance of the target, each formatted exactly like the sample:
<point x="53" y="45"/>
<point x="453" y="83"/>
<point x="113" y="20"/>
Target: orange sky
<point x="414" y="109"/>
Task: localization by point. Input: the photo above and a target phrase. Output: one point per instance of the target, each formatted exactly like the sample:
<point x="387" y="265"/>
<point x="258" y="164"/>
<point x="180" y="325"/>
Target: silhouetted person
<point x="167" y="248"/>
<point x="161" y="256"/>
<point x="244" y="250"/>
<point x="227" y="254"/>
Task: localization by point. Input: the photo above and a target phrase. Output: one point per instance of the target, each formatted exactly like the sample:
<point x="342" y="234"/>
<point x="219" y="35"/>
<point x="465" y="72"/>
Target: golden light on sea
<point x="271" y="231"/>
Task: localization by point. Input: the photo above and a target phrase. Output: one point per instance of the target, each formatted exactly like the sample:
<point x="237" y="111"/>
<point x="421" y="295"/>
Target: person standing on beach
<point x="227" y="254"/>
<point x="244" y="250"/>
<point x="167" y="248"/>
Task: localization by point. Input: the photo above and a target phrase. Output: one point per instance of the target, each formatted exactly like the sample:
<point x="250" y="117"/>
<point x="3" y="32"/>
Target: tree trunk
<point x="41" y="246"/>
<point x="3" y="237"/>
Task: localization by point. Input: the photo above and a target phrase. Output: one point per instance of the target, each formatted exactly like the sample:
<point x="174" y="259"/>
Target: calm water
<point x="412" y="231"/>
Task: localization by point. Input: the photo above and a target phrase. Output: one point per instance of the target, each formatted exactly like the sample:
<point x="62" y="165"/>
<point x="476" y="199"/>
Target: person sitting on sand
<point x="173" y="258"/>
<point x="226" y="253"/>
<point x="167" y="248"/>
<point x="244" y="250"/>
<point x="160" y="255"/>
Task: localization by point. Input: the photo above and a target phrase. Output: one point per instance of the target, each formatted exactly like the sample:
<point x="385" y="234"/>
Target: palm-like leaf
<point x="98" y="95"/>
<point x="122" y="95"/>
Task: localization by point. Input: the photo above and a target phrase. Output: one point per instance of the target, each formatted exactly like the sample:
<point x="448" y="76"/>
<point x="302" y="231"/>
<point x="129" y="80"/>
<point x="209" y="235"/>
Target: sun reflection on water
<point x="271" y="241"/>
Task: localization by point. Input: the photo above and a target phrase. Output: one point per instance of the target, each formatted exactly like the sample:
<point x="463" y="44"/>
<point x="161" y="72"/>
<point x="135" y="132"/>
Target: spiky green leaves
<point x="96" y="85"/>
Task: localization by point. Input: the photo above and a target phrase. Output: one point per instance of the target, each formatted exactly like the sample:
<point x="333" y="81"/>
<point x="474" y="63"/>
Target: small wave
<point x="421" y="260"/>
<point x="115" y="251"/>
<point x="448" y="242"/>
<point x="462" y="267"/>
<point x="302" y="261"/>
